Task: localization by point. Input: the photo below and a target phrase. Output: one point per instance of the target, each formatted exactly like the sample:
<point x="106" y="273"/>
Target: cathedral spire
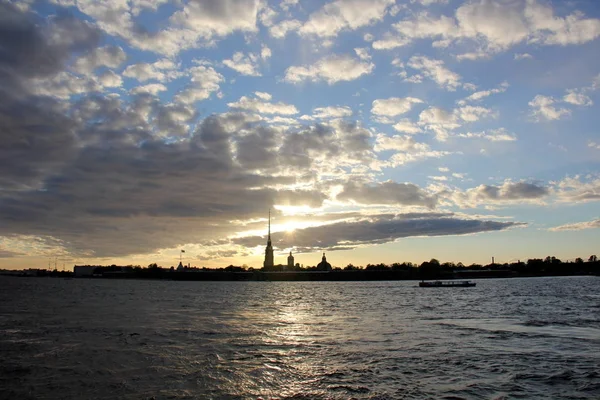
<point x="269" y="259"/>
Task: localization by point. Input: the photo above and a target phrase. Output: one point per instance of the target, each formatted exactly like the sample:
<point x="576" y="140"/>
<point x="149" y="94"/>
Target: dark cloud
<point x="125" y="191"/>
<point x="105" y="176"/>
<point x="513" y="191"/>
<point x="388" y="192"/>
<point x="32" y="47"/>
<point x="9" y="254"/>
<point x="377" y="230"/>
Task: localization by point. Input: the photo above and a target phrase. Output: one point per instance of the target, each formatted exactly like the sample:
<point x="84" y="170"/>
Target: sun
<point x="288" y="227"/>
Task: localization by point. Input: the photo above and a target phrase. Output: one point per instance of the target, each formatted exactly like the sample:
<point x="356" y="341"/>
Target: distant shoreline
<point x="299" y="276"/>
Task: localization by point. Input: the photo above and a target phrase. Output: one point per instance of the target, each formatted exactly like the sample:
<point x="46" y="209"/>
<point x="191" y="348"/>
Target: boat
<point x="447" y="284"/>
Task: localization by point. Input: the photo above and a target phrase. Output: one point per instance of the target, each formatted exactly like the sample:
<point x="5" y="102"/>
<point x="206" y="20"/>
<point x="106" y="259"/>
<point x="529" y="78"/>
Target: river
<point x="133" y="339"/>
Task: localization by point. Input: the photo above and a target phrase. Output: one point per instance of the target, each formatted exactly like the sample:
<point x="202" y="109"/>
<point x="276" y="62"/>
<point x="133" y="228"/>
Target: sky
<point x="376" y="131"/>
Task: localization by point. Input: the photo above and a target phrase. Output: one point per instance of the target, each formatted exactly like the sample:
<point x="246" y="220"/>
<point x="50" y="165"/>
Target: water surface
<point x="132" y="339"/>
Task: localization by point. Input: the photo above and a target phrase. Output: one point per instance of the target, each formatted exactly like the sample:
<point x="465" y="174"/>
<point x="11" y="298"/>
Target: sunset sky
<point x="375" y="131"/>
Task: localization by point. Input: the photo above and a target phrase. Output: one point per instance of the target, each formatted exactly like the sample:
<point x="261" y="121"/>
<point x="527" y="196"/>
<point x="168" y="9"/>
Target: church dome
<point x="324" y="265"/>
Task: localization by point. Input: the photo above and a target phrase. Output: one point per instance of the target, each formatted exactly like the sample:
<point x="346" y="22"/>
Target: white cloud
<point x="64" y="85"/>
<point x="577" y="98"/>
<point x="441" y="121"/>
<point x="577" y="226"/>
<point x="263" y="107"/>
<point x="399" y="143"/>
<point x="107" y="56"/>
<point x="287" y="4"/>
<point x="152" y="88"/>
<point x="281" y="29"/>
<point x="403" y="158"/>
<point x="204" y="81"/>
<point x="543" y="109"/>
<point x="493" y="135"/>
<point x="406" y="126"/>
<point x="578" y="190"/>
<point x="265" y="52"/>
<point x="435" y="70"/>
<point x="244" y="64"/>
<point x="484" y="93"/>
<point x="439" y="178"/>
<point x="208" y="19"/>
<point x="473" y="113"/>
<point x="332" y="112"/>
<point x="438" y="116"/>
<point x="263" y="95"/>
<point x="332" y="69"/>
<point x="344" y="15"/>
<point x="363" y="53"/>
<point x="393" y="106"/>
<point x="162" y="70"/>
<point x="267" y="15"/>
<point x="594" y="145"/>
<point x="444" y="169"/>
<point x="110" y="79"/>
<point x="523" y="56"/>
<point x="389" y="42"/>
<point x="491" y="26"/>
<point x="194" y="24"/>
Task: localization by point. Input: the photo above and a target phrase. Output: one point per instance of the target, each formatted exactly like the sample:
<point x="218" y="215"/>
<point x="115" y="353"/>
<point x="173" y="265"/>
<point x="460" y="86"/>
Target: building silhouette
<point x="269" y="263"/>
<point x="324" y="265"/>
<point x="269" y="260"/>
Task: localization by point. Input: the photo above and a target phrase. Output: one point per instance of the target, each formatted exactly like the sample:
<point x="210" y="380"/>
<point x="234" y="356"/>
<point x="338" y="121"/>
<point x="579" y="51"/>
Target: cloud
<point x="393" y="106"/>
<point x="435" y="70"/>
<point x="594" y="145"/>
<point x="332" y="112"/>
<point x="577" y="226"/>
<point x="363" y="53"/>
<point x="387" y="192"/>
<point x="577" y="98"/>
<point x="162" y="71"/>
<point x="406" y="126"/>
<point x="107" y="56"/>
<point x="389" y="42"/>
<point x="146" y="194"/>
<point x="152" y="88"/>
<point x="399" y="143"/>
<point x="377" y="230"/>
<point x="331" y="69"/>
<point x="493" y="135"/>
<point x="245" y="65"/>
<point x="507" y="193"/>
<point x="342" y="15"/>
<point x="578" y="189"/>
<point x="542" y="108"/>
<point x="492" y="26"/>
<point x="263" y="107"/>
<point x="32" y="49"/>
<point x="204" y="81"/>
<point x="191" y="25"/>
<point x="263" y="96"/>
<point x="108" y="79"/>
<point x="523" y="56"/>
<point x="265" y="53"/>
<point x="483" y="94"/>
<point x="281" y="29"/>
